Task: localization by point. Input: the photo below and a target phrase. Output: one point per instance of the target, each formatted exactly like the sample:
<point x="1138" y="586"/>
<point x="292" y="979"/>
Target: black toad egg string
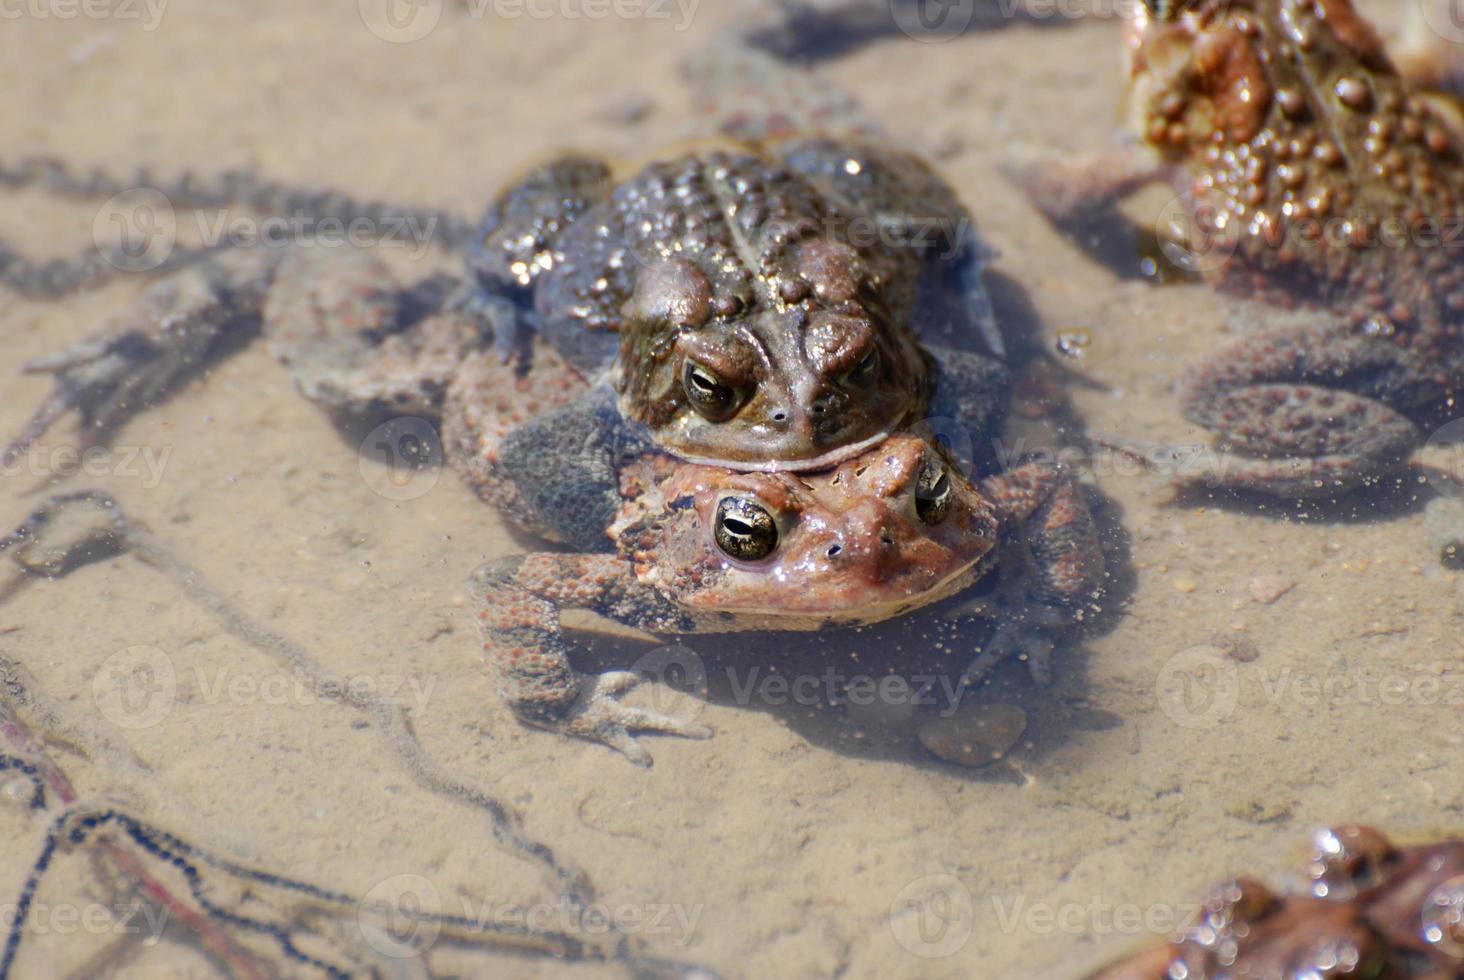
<point x="177" y="852"/>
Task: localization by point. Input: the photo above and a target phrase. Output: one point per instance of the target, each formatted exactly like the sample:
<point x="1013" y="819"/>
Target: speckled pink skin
<point x="852" y="548"/>
<point x="870" y="560"/>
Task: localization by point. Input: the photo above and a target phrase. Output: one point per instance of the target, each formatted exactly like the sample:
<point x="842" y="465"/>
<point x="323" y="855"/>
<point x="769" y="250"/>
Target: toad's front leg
<point x="1045" y="514"/>
<point x="522" y="639"/>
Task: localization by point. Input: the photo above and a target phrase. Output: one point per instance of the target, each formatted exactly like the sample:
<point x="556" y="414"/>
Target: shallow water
<point x="802" y="840"/>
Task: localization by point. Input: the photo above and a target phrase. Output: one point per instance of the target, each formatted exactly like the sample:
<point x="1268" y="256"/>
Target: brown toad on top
<point x="754" y="308"/>
<point x="1314" y="177"/>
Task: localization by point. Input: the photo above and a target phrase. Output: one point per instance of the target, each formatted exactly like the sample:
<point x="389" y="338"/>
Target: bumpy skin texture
<point x="535" y="438"/>
<point x="1317" y="178"/>
<point x="1372" y="909"/>
<point x="794" y="267"/>
<point x="793" y="276"/>
<point x="856" y="544"/>
<point x="791" y="282"/>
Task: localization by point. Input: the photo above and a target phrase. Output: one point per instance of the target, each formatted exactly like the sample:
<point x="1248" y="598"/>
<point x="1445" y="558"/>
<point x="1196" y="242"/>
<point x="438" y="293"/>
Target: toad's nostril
<point x="780" y="417"/>
<point x="836" y="550"/>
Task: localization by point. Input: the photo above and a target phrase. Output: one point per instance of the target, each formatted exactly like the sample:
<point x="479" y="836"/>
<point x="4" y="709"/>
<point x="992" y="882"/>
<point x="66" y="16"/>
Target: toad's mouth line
<point x="831" y="458"/>
<point x="878" y="610"/>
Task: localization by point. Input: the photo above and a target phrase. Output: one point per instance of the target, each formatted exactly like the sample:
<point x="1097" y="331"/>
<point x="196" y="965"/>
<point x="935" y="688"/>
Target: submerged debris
<point x="976" y="735"/>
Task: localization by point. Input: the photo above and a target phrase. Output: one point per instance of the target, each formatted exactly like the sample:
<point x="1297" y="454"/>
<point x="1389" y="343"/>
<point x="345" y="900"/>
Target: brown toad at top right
<point x="1313" y="178"/>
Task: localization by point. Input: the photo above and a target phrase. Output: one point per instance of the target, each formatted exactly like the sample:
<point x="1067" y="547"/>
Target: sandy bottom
<point x="796" y="842"/>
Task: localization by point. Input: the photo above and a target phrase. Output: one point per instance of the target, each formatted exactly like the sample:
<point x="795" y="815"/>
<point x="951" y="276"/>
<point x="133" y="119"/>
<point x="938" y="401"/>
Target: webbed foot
<point x="177" y="325"/>
<point x="506" y="320"/>
<point x="599" y="716"/>
<point x="1024" y="630"/>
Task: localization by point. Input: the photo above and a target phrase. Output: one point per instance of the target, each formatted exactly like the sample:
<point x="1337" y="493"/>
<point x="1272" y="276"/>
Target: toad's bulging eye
<point x="866" y="369"/>
<point x="744" y="530"/>
<point x="933" y="493"/>
<point x="713" y="399"/>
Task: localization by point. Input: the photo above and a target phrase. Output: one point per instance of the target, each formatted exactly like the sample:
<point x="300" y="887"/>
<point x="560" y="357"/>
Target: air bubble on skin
<point x="1074" y="342"/>
<point x="1443" y="918"/>
<point x="1379" y="326"/>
